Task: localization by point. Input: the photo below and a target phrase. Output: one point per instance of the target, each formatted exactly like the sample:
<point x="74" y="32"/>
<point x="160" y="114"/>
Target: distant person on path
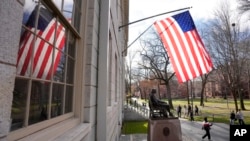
<point x="240" y="117"/>
<point x="206" y="126"/>
<point x="185" y="110"/>
<point x="232" y="117"/>
<point x="196" y="110"/>
<point x="179" y="111"/>
<point x="191" y="115"/>
<point x="189" y="109"/>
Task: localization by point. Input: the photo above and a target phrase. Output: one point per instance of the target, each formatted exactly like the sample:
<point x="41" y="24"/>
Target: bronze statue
<point x="157" y="105"/>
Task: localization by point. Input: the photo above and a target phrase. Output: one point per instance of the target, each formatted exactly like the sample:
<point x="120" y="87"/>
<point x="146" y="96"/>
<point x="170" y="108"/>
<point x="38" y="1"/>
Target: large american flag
<point x="184" y="46"/>
<point x="35" y="52"/>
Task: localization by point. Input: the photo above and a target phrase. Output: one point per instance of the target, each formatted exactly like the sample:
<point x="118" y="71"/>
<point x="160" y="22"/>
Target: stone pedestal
<point x="164" y="130"/>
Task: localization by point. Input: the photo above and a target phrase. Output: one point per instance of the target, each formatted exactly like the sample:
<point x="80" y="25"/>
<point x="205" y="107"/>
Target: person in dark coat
<point x="189" y="109"/>
<point x="179" y="111"/>
<point x="196" y="110"/>
<point x="232" y="117"/>
<point x="206" y="126"/>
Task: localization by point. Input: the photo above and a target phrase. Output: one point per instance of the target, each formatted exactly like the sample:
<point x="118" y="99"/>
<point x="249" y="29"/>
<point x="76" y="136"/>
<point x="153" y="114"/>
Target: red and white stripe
<point x="41" y="53"/>
<point x="186" y="50"/>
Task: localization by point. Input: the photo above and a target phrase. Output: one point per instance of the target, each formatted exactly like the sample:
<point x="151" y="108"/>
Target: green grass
<point x="135" y="127"/>
<point x="216" y="109"/>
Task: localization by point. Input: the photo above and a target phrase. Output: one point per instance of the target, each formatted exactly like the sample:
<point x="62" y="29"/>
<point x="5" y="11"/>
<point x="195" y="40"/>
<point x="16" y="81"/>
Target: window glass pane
<point x="57" y="97"/>
<point x="60" y="36"/>
<point x="77" y="14"/>
<point x="70" y="9"/>
<point x="44" y="52"/>
<point x="42" y="61"/>
<point x="71" y="45"/>
<point x="19" y="103"/>
<point x="25" y="52"/>
<point x="59" y="66"/>
<point x="68" y="99"/>
<point x="39" y="101"/>
<point x="46" y="25"/>
<point x="65" y="6"/>
<point x="70" y="70"/>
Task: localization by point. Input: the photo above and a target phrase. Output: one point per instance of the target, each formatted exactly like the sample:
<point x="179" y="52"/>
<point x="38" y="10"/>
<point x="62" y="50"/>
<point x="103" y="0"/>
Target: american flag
<point x="35" y="52"/>
<point x="184" y="46"/>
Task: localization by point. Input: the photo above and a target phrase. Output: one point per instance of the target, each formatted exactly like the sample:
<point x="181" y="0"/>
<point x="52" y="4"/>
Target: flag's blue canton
<point x="185" y="21"/>
<point x="43" y="21"/>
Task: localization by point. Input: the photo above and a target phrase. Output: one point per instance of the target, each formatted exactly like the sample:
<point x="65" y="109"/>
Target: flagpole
<point x="136" y="39"/>
<point x="150" y="25"/>
<point x="152" y="17"/>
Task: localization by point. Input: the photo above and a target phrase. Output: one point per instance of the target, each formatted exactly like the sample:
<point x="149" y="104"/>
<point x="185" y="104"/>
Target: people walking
<point x="191" y="115"/>
<point x="189" y="109"/>
<point x="185" y="110"/>
<point x="196" y="110"/>
<point x="240" y="117"/>
<point x="179" y="111"/>
<point x="206" y="126"/>
<point x="232" y="117"/>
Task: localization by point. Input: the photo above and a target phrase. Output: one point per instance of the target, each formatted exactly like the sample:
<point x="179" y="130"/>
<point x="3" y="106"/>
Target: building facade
<point x="62" y="69"/>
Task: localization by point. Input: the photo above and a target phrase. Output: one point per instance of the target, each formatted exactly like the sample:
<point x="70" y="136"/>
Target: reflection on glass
<point x="57" y="96"/>
<point x="68" y="99"/>
<point x="42" y="62"/>
<point x="19" y="103"/>
<point x="40" y="52"/>
<point x="77" y="13"/>
<point x="65" y="6"/>
<point x="24" y="53"/>
<point x="70" y="71"/>
<point x="42" y="59"/>
<point x="39" y="102"/>
<point x="71" y="45"/>
<point x="60" y="36"/>
<point x="60" y="68"/>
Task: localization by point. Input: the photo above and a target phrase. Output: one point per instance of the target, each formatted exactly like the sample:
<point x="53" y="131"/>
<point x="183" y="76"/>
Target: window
<point x="44" y="85"/>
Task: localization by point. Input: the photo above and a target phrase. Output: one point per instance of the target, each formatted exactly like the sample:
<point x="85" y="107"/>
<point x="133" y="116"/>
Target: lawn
<point x="135" y="127"/>
<point x="216" y="109"/>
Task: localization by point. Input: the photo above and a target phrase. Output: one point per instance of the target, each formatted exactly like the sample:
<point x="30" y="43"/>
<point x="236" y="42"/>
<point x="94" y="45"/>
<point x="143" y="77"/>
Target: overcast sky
<point x="201" y="11"/>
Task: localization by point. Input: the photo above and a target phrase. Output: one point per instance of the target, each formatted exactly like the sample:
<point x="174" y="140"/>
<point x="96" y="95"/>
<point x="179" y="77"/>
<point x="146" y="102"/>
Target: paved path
<point x="191" y="131"/>
<point x="219" y="131"/>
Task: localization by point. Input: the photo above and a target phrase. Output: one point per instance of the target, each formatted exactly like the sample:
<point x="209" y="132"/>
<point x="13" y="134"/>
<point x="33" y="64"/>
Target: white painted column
<point x="103" y="71"/>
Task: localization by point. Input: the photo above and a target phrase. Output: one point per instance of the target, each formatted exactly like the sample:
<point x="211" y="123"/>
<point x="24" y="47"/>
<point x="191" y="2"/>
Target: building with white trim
<point x="64" y="81"/>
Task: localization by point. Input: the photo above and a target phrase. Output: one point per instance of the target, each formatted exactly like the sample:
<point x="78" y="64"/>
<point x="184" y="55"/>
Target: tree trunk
<point x="188" y="94"/>
<point x="202" y="97"/>
<point x="242" y="106"/>
<point x="235" y="100"/>
<point x="202" y="93"/>
<point x="169" y="96"/>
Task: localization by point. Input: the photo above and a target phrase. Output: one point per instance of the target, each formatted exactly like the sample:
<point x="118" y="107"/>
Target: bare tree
<point x="155" y="63"/>
<point x="224" y="40"/>
<point x="204" y="79"/>
<point x="244" y="6"/>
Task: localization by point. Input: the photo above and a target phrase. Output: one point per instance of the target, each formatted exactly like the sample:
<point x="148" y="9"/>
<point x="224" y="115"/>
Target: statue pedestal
<point x="164" y="129"/>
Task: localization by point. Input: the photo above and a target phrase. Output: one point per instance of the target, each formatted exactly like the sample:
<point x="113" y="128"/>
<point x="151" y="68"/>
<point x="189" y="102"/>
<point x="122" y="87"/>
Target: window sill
<point x="55" y="132"/>
<point x="76" y="133"/>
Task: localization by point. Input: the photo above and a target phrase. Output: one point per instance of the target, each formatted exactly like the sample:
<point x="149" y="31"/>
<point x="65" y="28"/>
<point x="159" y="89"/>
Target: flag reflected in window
<point x="40" y="55"/>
